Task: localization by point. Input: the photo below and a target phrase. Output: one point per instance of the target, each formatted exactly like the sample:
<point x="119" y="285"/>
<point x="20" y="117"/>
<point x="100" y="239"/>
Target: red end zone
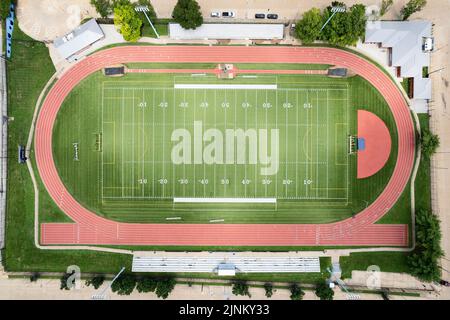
<point x="377" y="144"/>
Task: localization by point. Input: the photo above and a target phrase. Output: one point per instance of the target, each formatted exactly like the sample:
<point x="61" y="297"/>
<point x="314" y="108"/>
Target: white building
<point x="78" y="39"/>
<point x="409" y="44"/>
<point x="233" y="31"/>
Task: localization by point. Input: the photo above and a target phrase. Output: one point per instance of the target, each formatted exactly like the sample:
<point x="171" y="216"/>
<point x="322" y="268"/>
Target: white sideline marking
<point x="174" y="218"/>
<point x="226" y="86"/>
<point x="224" y="200"/>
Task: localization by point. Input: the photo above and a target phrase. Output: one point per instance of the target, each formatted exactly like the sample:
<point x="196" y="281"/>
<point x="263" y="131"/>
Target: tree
<point x="164" y="287"/>
<point x="323" y="291"/>
<point x="423" y="262"/>
<point x="430" y="142"/>
<point x="269" y="289"/>
<point x="127" y="22"/>
<point x="187" y="13"/>
<point x="103" y="7"/>
<point x="96" y="281"/>
<point x="307" y="29"/>
<point x="411" y="7"/>
<point x="65" y="281"/>
<point x="345" y="28"/>
<point x="240" y="288"/>
<point x="34" y="276"/>
<point x="296" y="292"/>
<point x="146" y="284"/>
<point x="385" y="6"/>
<point x="124" y="285"/>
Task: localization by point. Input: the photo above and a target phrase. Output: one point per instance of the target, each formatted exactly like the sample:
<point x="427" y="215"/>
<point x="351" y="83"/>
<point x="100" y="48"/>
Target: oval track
<point x="90" y="228"/>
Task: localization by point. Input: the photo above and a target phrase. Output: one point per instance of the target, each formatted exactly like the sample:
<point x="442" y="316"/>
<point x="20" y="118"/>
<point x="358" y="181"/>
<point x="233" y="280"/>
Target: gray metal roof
<point x="78" y="39"/>
<point x="228" y="31"/>
<point x="406" y="40"/>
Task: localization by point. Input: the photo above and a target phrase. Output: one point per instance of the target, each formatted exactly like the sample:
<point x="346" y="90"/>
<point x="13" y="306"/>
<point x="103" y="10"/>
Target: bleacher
<point x="242" y="264"/>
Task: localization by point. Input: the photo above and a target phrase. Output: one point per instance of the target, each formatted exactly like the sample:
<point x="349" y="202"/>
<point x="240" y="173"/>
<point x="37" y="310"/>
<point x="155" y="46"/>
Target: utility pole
<point x="334" y="10"/>
<point x="145" y="9"/>
<point x="102" y="295"/>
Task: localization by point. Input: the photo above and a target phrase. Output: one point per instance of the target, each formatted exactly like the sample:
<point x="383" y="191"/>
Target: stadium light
<point x="102" y="295"/>
<point x="334" y="10"/>
<point x="145" y="9"/>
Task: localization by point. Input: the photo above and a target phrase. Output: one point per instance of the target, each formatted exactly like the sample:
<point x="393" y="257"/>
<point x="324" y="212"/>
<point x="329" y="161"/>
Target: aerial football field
<point x="130" y="147"/>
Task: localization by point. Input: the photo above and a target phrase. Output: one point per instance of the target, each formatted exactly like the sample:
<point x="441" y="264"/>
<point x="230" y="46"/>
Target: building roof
<point x="78" y="39"/>
<point x="241" y="31"/>
<point x="406" y="40"/>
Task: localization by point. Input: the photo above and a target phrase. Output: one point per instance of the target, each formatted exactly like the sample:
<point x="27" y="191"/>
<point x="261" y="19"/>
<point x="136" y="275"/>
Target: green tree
<point x="240" y="288"/>
<point x="385" y="6"/>
<point x="423" y="262"/>
<point x="411" y="7"/>
<point x="308" y="27"/>
<point x="65" y="281"/>
<point x="345" y="28"/>
<point x="96" y="281"/>
<point x="323" y="291"/>
<point x="124" y="285"/>
<point x="103" y="7"/>
<point x="430" y="142"/>
<point x="269" y="289"/>
<point x="164" y="287"/>
<point x="127" y="22"/>
<point x="296" y="292"/>
<point x="187" y="13"/>
<point x="34" y="276"/>
<point x="146" y="284"/>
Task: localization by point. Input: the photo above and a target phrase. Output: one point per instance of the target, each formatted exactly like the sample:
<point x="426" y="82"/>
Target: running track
<point x="89" y="228"/>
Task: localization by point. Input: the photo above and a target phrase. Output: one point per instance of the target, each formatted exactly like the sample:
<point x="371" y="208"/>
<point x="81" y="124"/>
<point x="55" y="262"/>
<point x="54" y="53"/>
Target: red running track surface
<point x="89" y="228"/>
<point x="378" y="144"/>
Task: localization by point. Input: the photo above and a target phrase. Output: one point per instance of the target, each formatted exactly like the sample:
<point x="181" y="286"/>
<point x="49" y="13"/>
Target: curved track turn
<point x="89" y="228"/>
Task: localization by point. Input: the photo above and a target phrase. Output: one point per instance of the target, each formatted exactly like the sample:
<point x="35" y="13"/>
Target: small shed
<point x="78" y="39"/>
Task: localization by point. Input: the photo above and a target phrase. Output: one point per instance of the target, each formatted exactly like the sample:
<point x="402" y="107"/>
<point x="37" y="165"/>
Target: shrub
<point x="269" y="289"/>
<point x="296" y="292"/>
<point x="146" y="284"/>
<point x="423" y="262"/>
<point x="411" y="7"/>
<point x="430" y="142"/>
<point x="323" y="291"/>
<point x="103" y="7"/>
<point x="124" y="285"/>
<point x="164" y="287"/>
<point x="240" y="288"/>
<point x="96" y="282"/>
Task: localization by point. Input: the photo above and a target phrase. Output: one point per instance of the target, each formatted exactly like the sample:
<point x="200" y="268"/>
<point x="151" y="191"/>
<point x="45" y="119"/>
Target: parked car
<point x="272" y="16"/>
<point x="228" y="14"/>
<point x="444" y="283"/>
<point x="260" y="16"/>
<point x="215" y="14"/>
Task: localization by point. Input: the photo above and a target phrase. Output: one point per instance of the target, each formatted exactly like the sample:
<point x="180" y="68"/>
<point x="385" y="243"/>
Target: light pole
<point x="145" y="9"/>
<point x="102" y="295"/>
<point x="334" y="10"/>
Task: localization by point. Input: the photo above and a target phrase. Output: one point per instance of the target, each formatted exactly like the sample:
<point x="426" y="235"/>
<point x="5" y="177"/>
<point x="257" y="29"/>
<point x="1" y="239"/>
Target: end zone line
<point x="226" y="86"/>
<point x="224" y="200"/>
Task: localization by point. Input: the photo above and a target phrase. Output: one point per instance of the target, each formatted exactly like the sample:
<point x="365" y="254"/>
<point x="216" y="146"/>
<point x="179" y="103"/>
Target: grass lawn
<point x="27" y="72"/>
